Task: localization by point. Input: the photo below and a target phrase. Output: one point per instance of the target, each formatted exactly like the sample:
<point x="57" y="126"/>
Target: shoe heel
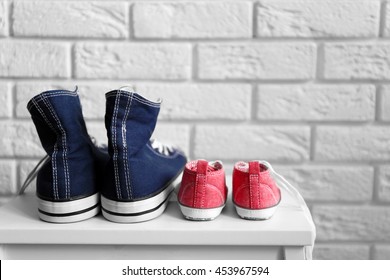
<point x="136" y="211"/>
<point x="69" y="211"/>
<point x="198" y="214"/>
<point x="256" y="214"/>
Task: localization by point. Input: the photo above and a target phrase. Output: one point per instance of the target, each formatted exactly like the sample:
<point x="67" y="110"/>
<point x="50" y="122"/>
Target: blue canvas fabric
<point x="136" y="170"/>
<point x="75" y="168"/>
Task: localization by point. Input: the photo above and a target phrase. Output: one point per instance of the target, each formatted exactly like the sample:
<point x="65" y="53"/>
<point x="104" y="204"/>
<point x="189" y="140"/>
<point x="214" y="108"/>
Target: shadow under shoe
<point x="140" y="174"/>
<point x="67" y="184"/>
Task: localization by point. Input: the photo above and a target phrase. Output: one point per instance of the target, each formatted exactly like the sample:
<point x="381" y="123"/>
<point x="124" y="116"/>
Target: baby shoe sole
<point x="136" y="211"/>
<point x="69" y="211"/>
<point x="256" y="214"/>
<point x="200" y="214"/>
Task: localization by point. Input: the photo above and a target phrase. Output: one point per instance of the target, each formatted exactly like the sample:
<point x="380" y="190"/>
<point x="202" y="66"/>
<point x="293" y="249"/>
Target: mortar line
<point x="375" y="185"/>
<point x="14" y="101"/>
<point x="254" y="101"/>
<point x="378" y="103"/>
<point x="194" y="63"/>
<point x="254" y="20"/>
<point x="131" y="31"/>
<point x="320" y="62"/>
<point x="382" y="19"/>
<point x="313" y="140"/>
<point x="10" y="10"/>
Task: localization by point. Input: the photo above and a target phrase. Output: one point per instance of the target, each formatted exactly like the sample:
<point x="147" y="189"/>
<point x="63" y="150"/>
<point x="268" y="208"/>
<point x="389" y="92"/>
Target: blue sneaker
<point x="141" y="172"/>
<point x="68" y="182"/>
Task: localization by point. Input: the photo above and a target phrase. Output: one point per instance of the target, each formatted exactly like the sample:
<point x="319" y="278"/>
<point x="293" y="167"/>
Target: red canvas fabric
<point x="253" y="186"/>
<point x="203" y="185"/>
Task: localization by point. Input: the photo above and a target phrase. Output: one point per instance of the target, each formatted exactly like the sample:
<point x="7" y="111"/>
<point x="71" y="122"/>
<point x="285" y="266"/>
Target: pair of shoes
<point x="131" y="180"/>
<point x="203" y="192"/>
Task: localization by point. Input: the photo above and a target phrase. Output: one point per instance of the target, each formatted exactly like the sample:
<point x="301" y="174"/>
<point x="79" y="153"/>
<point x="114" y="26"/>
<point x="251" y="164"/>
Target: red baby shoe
<point x="203" y="190"/>
<point x="255" y="193"/>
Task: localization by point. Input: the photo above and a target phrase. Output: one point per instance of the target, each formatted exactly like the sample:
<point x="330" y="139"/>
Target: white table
<point x="287" y="235"/>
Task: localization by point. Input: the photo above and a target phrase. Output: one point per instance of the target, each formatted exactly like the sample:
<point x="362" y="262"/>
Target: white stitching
<point x="64" y="147"/>
<point x="54" y="155"/>
<point x="39" y="98"/>
<point x="146" y="102"/>
<point x="251" y="178"/>
<point x="124" y="141"/>
<point x="115" y="148"/>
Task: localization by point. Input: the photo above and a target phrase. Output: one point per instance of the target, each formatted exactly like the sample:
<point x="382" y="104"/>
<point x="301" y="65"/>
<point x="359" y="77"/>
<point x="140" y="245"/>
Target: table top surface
<point x="19" y="224"/>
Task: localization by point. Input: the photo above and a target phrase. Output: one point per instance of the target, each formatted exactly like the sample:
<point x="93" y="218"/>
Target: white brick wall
<point x="316" y="102"/>
<point x="303" y="84"/>
<point x="34" y="59"/>
<point x="170" y="61"/>
<point x="188" y="20"/>
<point x="76" y="19"/>
<point x="356" y="61"/>
<point x="5" y="100"/>
<point x="382" y="252"/>
<point x="330" y="183"/>
<point x="360" y="143"/>
<point x="384" y="183"/>
<point x="341" y="252"/>
<point x="325" y="18"/>
<point x="352" y="223"/>
<point x="263" y="61"/>
<point x="385" y="104"/>
<point x="3" y="19"/>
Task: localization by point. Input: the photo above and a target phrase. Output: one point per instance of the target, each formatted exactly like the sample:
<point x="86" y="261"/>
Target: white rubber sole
<point x="254" y="214"/>
<point x="200" y="214"/>
<point x="69" y="211"/>
<point x="136" y="211"/>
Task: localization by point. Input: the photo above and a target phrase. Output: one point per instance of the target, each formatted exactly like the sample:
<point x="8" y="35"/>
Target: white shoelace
<point x="284" y="184"/>
<point x="164" y="149"/>
<point x="33" y="174"/>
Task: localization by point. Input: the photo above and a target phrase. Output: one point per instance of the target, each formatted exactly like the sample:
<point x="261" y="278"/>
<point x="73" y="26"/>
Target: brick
<point x="175" y="134"/>
<point x="193" y="20"/>
<point x="385" y="104"/>
<point x="171" y="61"/>
<point x="71" y="19"/>
<point x="200" y="101"/>
<point x="291" y="61"/>
<point x="34" y="59"/>
<point x="19" y="139"/>
<point x="382" y="252"/>
<point x="353" y="143"/>
<point x="384" y="183"/>
<point x="328" y="18"/>
<point x="93" y="100"/>
<point x="341" y="252"/>
<point x="7" y="177"/>
<point x="352" y="61"/>
<point x="316" y="102"/>
<point x="5" y="101"/>
<point x="25" y="167"/>
<point x="92" y="96"/>
<point x="331" y="183"/>
<point x="285" y="143"/>
<point x="98" y="131"/>
<point x="352" y="223"/>
<point x="3" y="19"/>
